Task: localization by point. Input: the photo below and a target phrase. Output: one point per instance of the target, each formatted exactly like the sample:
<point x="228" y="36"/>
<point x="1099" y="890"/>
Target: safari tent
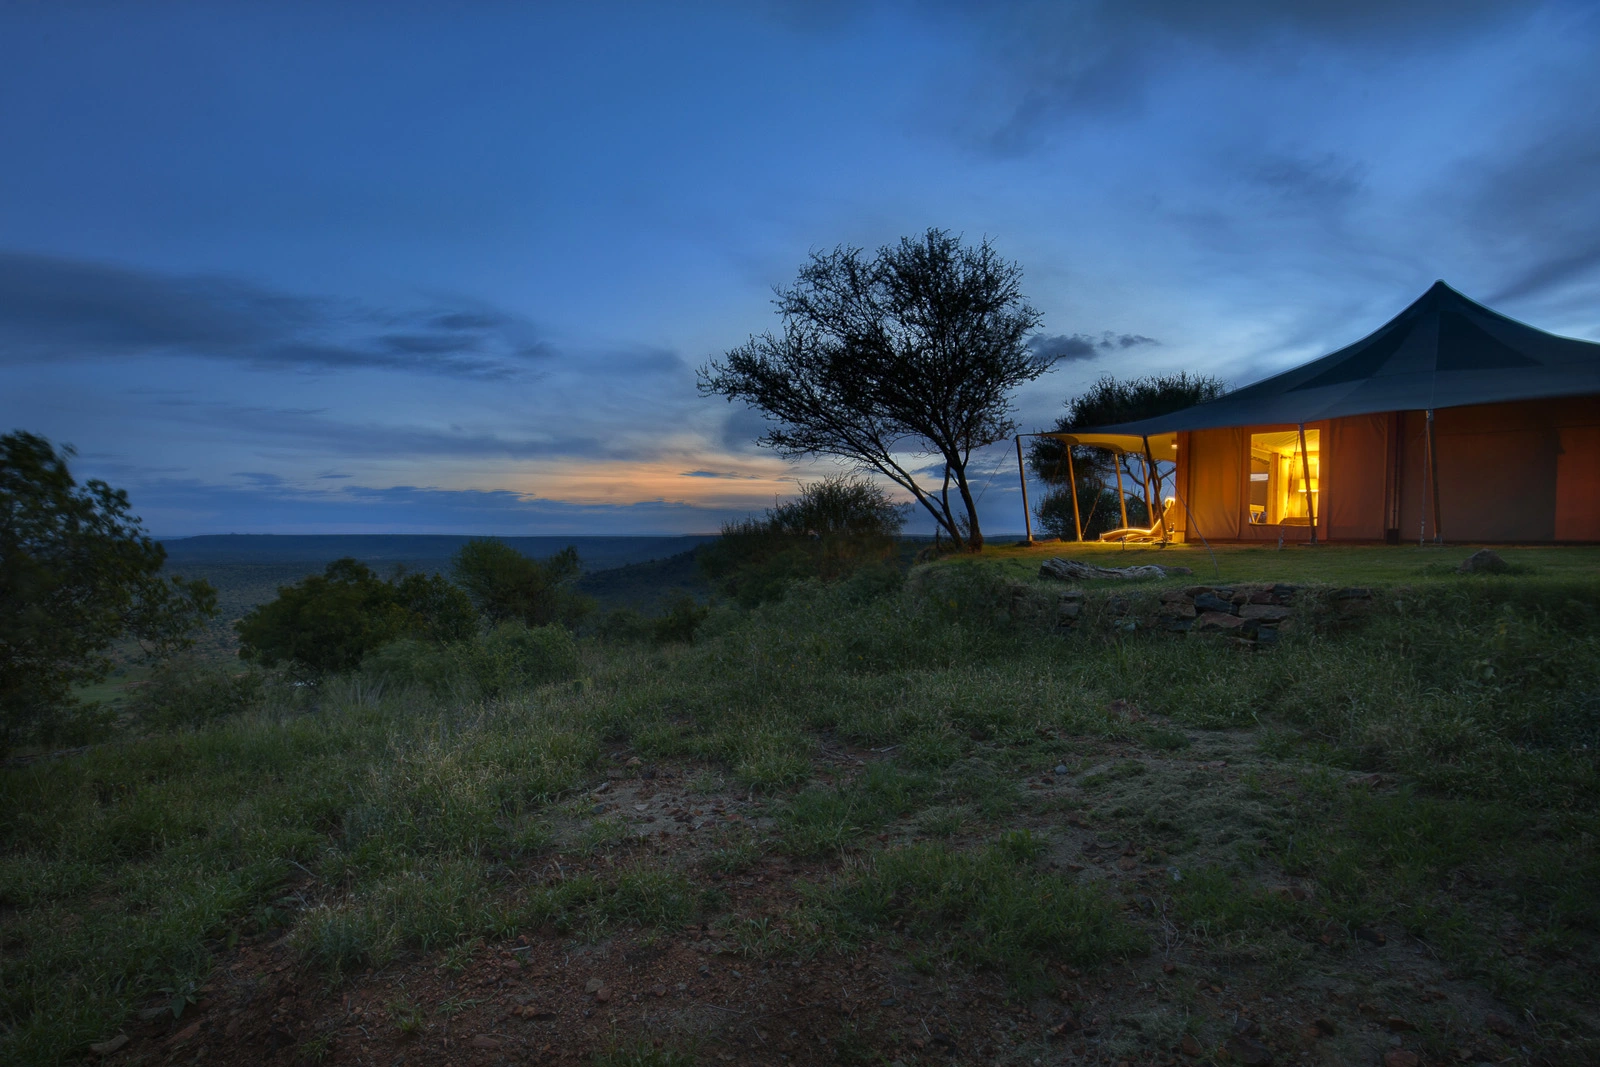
<point x="1450" y="421"/>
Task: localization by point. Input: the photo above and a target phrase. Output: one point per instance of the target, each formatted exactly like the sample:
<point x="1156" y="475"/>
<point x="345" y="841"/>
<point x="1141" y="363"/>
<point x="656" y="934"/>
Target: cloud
<point x="721" y="474"/>
<point x="1051" y="62"/>
<point x="1078" y="346"/>
<point x="63" y="309"/>
<point x="1320" y="184"/>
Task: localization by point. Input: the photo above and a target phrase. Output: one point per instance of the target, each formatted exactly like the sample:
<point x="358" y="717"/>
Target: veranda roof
<point x="1442" y="351"/>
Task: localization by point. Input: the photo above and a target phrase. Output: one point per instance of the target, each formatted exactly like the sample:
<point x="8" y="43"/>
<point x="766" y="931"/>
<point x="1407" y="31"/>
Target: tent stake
<point x="1433" y="467"/>
<point x="1305" y="472"/>
<point x="1072" y="475"/>
<point x="1022" y="476"/>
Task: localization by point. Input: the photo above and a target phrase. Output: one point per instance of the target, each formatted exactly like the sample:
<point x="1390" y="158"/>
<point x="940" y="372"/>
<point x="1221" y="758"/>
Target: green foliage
<point x="913" y="351"/>
<point x="989" y="908"/>
<point x="186" y="691"/>
<point x="1108" y="402"/>
<point x="836" y="528"/>
<point x="329" y="622"/>
<point x="508" y="659"/>
<point x="77" y="572"/>
<point x="505" y="585"/>
<point x="123" y="868"/>
<point x="1098" y="511"/>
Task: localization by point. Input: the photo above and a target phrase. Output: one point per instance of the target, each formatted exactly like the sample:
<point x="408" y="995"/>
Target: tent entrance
<point x="1284" y="477"/>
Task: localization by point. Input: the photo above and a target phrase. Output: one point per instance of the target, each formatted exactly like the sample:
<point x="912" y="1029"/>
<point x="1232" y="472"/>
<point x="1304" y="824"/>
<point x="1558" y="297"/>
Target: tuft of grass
<point x="989" y="907"/>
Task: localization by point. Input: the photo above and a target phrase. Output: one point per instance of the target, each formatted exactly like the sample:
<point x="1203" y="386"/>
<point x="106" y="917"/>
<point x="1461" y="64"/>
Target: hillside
<point x="977" y="819"/>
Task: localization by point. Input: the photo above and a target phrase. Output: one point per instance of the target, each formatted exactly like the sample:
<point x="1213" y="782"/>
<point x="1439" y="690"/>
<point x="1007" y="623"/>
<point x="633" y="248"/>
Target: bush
<point x="329" y="622"/>
<point x="513" y="656"/>
<point x="77" y="572"/>
<point x="505" y="585"/>
<point x="190" y="692"/>
<point x="624" y="626"/>
<point x="510" y="658"/>
<point x="680" y="622"/>
<point x="833" y="529"/>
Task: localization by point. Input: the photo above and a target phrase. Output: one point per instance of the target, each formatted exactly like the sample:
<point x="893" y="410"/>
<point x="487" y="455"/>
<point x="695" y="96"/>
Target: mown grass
<point x="370" y="821"/>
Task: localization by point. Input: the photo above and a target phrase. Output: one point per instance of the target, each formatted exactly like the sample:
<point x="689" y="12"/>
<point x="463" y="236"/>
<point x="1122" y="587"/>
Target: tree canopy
<point x="77" y="573"/>
<point x="914" y="351"/>
<point x="504" y="584"/>
<point x="328" y="622"/>
<point x="1105" y="403"/>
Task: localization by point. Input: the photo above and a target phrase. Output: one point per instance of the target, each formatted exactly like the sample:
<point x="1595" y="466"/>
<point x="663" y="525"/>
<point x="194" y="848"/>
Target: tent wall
<point x="1357" y="478"/>
<point x="1504" y="474"/>
<point x="1521" y="471"/>
<point x="1211" y="466"/>
<point x="1578" y="484"/>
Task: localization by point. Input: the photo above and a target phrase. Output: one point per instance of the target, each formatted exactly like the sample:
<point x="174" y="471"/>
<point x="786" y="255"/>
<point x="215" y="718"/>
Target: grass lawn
<point x="1331" y="564"/>
<point x="858" y="826"/>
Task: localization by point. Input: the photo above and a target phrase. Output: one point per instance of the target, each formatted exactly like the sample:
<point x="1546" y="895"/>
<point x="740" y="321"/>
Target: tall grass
<point x="377" y="814"/>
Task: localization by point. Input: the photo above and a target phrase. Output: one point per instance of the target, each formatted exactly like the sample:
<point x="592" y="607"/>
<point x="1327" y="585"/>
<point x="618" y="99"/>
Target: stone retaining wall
<point x="1250" y="612"/>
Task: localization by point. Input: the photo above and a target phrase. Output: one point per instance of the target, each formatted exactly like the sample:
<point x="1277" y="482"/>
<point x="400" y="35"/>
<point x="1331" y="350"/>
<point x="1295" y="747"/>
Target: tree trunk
<point x="974" y="533"/>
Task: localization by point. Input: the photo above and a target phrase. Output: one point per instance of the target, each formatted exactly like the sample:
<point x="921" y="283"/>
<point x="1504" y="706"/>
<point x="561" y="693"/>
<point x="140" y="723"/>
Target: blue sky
<point x="450" y="268"/>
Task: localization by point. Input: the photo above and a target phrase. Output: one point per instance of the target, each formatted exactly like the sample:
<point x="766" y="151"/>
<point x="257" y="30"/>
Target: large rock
<point x="1076" y="570"/>
<point x="1484" y="560"/>
<point x="1264" y="612"/>
<point x="1217" y="622"/>
<point x="1212" y="602"/>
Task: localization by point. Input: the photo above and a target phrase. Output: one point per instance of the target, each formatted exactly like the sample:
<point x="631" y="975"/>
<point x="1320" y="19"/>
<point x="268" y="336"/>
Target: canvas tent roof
<point x="1442" y="351"/>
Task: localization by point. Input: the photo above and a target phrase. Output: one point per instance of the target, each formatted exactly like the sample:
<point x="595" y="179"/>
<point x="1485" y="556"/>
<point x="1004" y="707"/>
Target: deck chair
<point x="1159" y="532"/>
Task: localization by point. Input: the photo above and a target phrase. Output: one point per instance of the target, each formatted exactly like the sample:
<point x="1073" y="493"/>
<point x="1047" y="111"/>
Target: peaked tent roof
<point x="1442" y="351"/>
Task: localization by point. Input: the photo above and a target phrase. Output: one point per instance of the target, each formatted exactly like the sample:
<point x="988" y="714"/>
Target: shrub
<point x="329" y="622"/>
<point x="505" y="585"/>
<point x="833" y="529"/>
<point x="509" y="658"/>
<point x="190" y="692"/>
<point x="680" y="622"/>
<point x="514" y="656"/>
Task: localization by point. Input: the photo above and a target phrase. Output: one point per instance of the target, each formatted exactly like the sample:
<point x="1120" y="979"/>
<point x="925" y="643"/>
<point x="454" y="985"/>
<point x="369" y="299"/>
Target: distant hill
<point x="597" y="553"/>
<point x="649" y="587"/>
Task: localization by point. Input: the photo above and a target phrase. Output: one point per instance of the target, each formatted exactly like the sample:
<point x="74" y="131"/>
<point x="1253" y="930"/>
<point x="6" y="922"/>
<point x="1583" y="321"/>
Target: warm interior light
<point x="1283" y="481"/>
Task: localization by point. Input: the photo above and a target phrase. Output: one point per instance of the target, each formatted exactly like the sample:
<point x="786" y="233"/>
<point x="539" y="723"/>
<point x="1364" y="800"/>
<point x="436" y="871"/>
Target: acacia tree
<point x="1106" y="403"/>
<point x="914" y="351"/>
<point x="77" y="573"/>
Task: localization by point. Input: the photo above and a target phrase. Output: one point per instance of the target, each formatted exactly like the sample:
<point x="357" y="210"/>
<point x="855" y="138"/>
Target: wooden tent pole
<point x="1072" y="475"/>
<point x="1305" y="472"/>
<point x="1022" y="476"/>
<point x="1116" y="463"/>
<point x="1433" y="467"/>
<point x="1148" y="507"/>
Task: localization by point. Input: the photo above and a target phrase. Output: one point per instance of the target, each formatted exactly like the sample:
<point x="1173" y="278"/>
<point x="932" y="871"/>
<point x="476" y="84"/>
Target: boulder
<point x="1217" y="622"/>
<point x="1076" y="570"/>
<point x="1483" y="561"/>
<point x="1213" y="602"/>
<point x="1178" y="609"/>
<point x="1264" y="612"/>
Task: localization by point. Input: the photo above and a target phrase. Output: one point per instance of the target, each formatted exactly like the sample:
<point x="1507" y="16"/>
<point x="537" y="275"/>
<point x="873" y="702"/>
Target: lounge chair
<point x="1161" y="531"/>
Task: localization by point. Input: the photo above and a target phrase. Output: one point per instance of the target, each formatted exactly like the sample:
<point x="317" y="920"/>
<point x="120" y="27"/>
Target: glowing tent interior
<point x="1451" y="420"/>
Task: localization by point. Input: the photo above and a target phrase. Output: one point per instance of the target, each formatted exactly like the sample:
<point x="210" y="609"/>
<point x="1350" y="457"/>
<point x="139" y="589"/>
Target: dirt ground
<point x="1346" y="996"/>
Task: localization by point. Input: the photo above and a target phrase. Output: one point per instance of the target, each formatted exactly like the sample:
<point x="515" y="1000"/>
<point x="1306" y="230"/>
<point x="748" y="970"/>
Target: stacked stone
<point x="1252" y="612"/>
<point x="1249" y="612"/>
